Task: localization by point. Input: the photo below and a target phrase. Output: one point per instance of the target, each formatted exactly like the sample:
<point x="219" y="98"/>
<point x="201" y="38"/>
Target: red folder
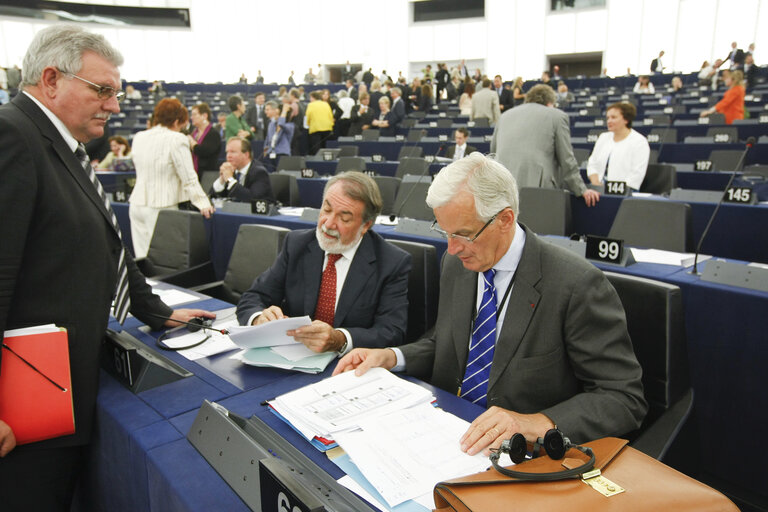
<point x="31" y="401"/>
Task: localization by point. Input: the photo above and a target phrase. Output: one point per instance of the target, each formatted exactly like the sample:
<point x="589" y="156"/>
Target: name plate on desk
<point x="135" y="365"/>
<point x="442" y="138"/>
<point x="310" y="173"/>
<point x="616" y="188"/>
<point x="369" y="172"/>
<point x="722" y="137"/>
<point x="329" y="156"/>
<point x="358" y="137"/>
<point x="763" y="118"/>
<point x="488" y="138"/>
<point x="399" y="138"/>
<point x="278" y="495"/>
<point x="262" y="207"/>
<point x="652" y="137"/>
<point x="703" y="165"/>
<point x="742" y="195"/>
<point x="592" y="137"/>
<point x="608" y="250"/>
<point x="703" y="120"/>
<point x="599" y="122"/>
<point x="377" y="157"/>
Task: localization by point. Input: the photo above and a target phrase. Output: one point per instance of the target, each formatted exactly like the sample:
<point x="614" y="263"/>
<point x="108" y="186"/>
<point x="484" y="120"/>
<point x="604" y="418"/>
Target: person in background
<point x="256" y="117"/>
<point x="750" y="71"/>
<point x="425" y="99"/>
<point x="204" y="141"/>
<point x="643" y="85"/>
<point x="118" y="148"/>
<point x="362" y="115"/>
<point x="4" y="97"/>
<point x="320" y="121"/>
<point x="280" y="132"/>
<point x="564" y="96"/>
<point x="676" y="85"/>
<point x="236" y="125"/>
<point x="518" y="96"/>
<point x="131" y="93"/>
<point x="165" y="175"/>
<point x="461" y="148"/>
<point x="465" y="101"/>
<point x="621" y="153"/>
<point x="732" y="104"/>
<point x="241" y="178"/>
<point x="383" y="120"/>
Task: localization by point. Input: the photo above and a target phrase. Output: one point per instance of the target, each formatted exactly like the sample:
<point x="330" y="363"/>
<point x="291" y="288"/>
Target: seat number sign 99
<point x="604" y="249"/>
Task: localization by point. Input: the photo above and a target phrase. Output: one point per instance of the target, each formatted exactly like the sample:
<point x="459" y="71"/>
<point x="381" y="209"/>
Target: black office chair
<point x="661" y="120"/>
<point x="546" y="211"/>
<point x="371" y="134"/>
<point x="482" y="122"/>
<point x="207" y="178"/>
<point x="444" y="122"/>
<point x="388" y="186"/>
<point x="716" y="118"/>
<point x="723" y="134"/>
<point x="418" y="115"/>
<point x="413" y="205"/>
<point x="410" y="165"/>
<point x="408" y="123"/>
<point x="285" y="188"/>
<point x="256" y="248"/>
<point x="178" y="252"/>
<point x="582" y="156"/>
<point x="415" y="135"/>
<point x="725" y="159"/>
<point x="291" y="163"/>
<point x="655" y="321"/>
<point x="423" y="287"/>
<point x="659" y="179"/>
<point x="410" y="152"/>
<point x="326" y="154"/>
<point x="663" y="135"/>
<point x="348" y="151"/>
<point x="756" y="170"/>
<point x="654" y="224"/>
<point x="350" y="163"/>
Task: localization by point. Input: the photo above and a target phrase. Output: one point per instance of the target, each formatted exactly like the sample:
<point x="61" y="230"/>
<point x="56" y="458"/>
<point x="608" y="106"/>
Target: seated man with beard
<point x="347" y="278"/>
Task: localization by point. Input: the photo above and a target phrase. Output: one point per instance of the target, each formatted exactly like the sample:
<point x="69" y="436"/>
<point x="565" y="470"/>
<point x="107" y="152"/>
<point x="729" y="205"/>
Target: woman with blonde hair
<point x="732" y="104"/>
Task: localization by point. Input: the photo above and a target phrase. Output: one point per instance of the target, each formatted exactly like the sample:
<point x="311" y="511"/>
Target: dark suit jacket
<point x="398" y="113"/>
<point x="59" y="252"/>
<point x="208" y="151"/>
<point x="373" y="305"/>
<point x="357" y="120"/>
<point x="654" y="65"/>
<point x="738" y="59"/>
<point x="506" y="99"/>
<point x="252" y="118"/>
<point x="563" y="349"/>
<point x="452" y="149"/>
<point x="257" y="186"/>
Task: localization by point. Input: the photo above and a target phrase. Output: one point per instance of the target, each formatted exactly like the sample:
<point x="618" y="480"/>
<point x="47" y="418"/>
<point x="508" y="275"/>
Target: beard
<point x="334" y="246"/>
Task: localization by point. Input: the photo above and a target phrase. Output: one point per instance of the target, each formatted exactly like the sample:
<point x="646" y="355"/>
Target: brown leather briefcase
<point x="647" y="485"/>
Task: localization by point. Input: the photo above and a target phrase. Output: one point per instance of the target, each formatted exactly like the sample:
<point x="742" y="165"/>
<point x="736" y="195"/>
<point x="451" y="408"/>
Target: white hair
<point x="62" y="46"/>
<point x="490" y="183"/>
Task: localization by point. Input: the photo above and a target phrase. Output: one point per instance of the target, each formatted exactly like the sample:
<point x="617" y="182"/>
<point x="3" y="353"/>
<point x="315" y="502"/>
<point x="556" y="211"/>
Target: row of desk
<point x="145" y="433"/>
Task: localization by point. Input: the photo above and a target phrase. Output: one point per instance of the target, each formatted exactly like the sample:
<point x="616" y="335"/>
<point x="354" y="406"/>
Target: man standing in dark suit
<point x="241" y="178"/>
<point x="461" y="149"/>
<point x="656" y="65"/>
<point x="256" y="117"/>
<point x="62" y="260"/>
<point x="736" y="56"/>
<point x="442" y="77"/>
<point x="398" y="108"/>
<point x="529" y="330"/>
<point x="506" y="101"/>
<point x="352" y="282"/>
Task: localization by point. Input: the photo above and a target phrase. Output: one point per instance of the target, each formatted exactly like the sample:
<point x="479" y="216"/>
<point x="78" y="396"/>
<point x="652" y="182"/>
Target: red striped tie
<point x="326" y="299"/>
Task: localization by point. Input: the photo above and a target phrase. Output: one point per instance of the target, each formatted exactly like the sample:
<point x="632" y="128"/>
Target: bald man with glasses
<point x="525" y="329"/>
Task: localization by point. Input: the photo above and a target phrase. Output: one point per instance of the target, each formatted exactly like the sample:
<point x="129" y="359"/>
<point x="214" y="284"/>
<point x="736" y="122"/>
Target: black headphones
<point x="194" y="325"/>
<point x="555" y="444"/>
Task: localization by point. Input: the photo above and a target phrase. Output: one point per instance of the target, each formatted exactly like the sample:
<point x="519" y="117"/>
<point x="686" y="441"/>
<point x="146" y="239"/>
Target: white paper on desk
<point x="294" y="352"/>
<point x="348" y="482"/>
<point x="680" y="259"/>
<point x="341" y="402"/>
<point x="291" y="210"/>
<point x="270" y="334"/>
<point x="405" y="453"/>
<point x="174" y="297"/>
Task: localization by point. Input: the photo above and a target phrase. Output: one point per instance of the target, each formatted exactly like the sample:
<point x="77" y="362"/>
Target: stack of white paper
<point x="682" y="259"/>
<point x="341" y="402"/>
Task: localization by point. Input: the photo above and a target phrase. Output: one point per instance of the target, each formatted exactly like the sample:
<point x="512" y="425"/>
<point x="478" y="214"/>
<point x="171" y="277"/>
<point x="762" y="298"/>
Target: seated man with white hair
<point x="527" y="329"/>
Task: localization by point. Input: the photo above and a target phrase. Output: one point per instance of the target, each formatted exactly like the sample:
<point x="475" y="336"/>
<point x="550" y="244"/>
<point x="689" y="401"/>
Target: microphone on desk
<point x="750" y="142"/>
<point x="195" y="324"/>
<point x="395" y="215"/>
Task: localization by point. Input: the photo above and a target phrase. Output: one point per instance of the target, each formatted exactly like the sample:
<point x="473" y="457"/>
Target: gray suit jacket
<point x="485" y="103"/>
<point x="563" y="350"/>
<point x="534" y="142"/>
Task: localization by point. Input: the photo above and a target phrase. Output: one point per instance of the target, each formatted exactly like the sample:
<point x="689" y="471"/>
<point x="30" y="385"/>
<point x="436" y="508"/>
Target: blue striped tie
<point x="122" y="293"/>
<point x="475" y="385"/>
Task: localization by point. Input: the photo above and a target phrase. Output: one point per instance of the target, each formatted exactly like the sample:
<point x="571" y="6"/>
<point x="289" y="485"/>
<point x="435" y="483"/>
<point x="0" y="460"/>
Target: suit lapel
<point x="463" y="308"/>
<point x="60" y="147"/>
<point x="360" y="271"/>
<point x="523" y="300"/>
<point x="313" y="260"/>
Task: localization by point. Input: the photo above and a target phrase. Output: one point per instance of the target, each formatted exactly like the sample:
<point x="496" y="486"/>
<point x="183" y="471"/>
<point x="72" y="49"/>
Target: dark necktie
<point x="326" y="299"/>
<point x="122" y="298"/>
<point x="474" y="387"/>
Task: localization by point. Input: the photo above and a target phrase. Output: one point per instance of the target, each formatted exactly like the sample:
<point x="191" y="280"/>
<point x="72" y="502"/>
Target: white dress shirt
<point x="627" y="160"/>
<point x="218" y="186"/>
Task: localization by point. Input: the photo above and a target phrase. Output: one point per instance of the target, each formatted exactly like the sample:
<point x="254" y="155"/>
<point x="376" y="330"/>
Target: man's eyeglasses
<point x="436" y="228"/>
<point x="104" y="92"/>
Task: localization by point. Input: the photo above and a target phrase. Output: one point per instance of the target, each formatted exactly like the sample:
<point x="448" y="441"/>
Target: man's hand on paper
<point x="186" y="315"/>
<point x="319" y="337"/>
<point x="269" y="314"/>
<point x="496" y="425"/>
<point x="363" y="359"/>
<point x="7" y="439"/>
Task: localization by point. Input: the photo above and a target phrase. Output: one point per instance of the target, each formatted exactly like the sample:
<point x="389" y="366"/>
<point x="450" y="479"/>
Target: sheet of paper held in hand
<point x="341" y="402"/>
<point x="270" y="334"/>
<point x="405" y="453"/>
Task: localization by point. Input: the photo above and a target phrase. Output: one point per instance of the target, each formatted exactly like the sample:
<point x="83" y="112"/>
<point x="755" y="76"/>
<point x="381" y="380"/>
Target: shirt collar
<point x="511" y="258"/>
<point x="60" y="126"/>
<point x="350" y="253"/>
